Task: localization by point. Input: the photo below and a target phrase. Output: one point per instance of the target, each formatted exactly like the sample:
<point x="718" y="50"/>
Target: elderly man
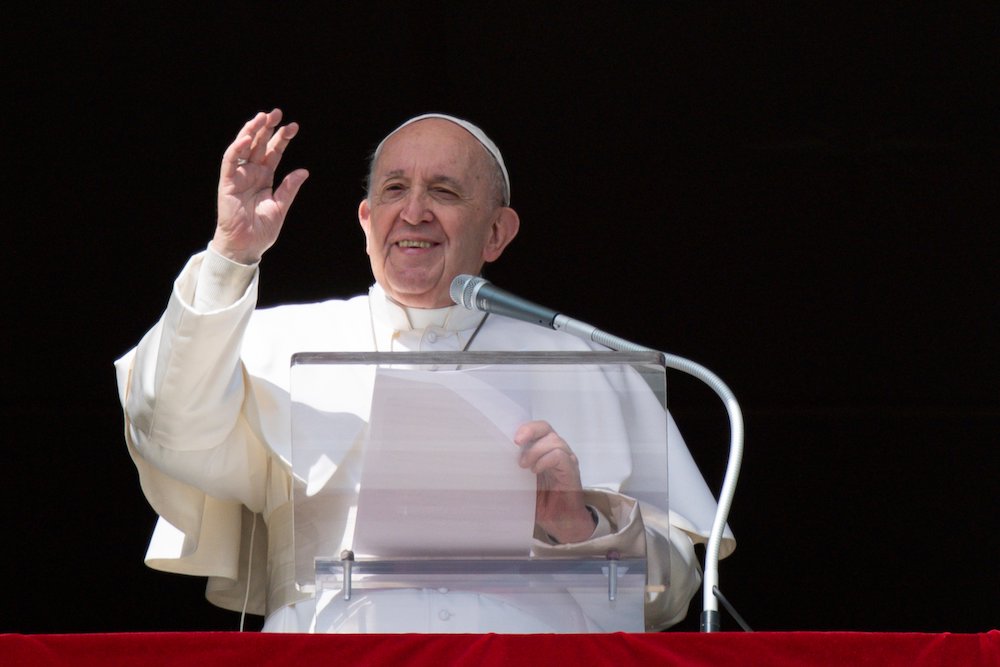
<point x="205" y="392"/>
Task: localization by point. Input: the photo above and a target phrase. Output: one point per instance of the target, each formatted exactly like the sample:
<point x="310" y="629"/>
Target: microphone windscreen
<point x="463" y="288"/>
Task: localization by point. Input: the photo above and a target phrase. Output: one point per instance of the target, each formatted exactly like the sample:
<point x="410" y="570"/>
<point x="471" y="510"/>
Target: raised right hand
<point x="251" y="213"/>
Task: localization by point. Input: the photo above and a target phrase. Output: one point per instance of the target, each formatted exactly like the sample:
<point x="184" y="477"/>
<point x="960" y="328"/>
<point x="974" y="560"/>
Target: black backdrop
<point x="801" y="197"/>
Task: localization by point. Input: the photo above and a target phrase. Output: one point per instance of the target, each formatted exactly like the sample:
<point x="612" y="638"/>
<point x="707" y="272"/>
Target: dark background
<point x="800" y="196"/>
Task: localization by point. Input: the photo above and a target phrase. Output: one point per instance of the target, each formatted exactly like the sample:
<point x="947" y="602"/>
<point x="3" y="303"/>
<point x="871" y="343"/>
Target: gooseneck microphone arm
<point x="479" y="294"/>
<point x="710" y="621"/>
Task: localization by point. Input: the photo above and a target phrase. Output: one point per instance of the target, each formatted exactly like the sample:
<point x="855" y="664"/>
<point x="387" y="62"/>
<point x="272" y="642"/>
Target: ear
<point x="502" y="232"/>
<point x="365" y="218"/>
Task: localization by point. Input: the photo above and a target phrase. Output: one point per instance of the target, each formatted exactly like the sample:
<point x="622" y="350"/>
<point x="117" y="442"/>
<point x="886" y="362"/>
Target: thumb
<point x="285" y="194"/>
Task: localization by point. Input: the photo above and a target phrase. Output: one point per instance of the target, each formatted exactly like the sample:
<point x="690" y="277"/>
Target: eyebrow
<point x="436" y="178"/>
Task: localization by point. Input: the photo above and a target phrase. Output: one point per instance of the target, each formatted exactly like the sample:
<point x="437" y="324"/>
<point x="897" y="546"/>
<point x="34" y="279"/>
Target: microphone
<point x="477" y="293"/>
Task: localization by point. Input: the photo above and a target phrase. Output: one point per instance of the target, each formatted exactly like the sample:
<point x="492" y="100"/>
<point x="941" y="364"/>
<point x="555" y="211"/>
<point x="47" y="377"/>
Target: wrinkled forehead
<point x="476" y="133"/>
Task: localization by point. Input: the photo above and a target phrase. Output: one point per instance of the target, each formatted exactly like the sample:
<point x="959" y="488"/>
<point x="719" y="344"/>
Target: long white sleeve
<point x="187" y="391"/>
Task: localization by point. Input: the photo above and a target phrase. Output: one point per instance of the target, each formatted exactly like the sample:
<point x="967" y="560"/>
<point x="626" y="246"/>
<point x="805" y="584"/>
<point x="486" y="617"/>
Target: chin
<point x="419" y="293"/>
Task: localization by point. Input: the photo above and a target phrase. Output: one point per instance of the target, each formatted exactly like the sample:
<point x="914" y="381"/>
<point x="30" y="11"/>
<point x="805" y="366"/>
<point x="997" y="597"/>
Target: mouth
<point x="414" y="244"/>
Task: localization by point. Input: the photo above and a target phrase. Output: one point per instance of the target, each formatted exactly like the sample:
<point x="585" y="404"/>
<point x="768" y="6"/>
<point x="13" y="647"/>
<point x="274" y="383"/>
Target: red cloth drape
<point x="220" y="649"/>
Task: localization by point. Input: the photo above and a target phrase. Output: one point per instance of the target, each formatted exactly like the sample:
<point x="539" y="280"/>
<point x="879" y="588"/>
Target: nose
<point x="415" y="209"/>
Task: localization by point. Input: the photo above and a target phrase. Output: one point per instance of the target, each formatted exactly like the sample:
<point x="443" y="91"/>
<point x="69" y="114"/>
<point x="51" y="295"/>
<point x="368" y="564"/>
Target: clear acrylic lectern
<point x="406" y="476"/>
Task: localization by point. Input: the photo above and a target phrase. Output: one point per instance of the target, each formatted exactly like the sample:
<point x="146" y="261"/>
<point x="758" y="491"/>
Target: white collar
<point x="388" y="313"/>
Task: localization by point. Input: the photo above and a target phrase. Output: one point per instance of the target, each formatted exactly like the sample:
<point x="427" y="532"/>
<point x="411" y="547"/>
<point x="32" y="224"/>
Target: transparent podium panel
<point x="406" y="475"/>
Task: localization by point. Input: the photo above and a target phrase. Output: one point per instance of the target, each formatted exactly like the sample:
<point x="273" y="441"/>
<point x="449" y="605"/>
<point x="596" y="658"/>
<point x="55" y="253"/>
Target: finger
<point x="278" y="143"/>
<point x="531" y="454"/>
<point x="258" y="147"/>
<point x="285" y="194"/>
<point x="557" y="459"/>
<point x="531" y="431"/>
<point x="239" y="150"/>
<point x="262" y="137"/>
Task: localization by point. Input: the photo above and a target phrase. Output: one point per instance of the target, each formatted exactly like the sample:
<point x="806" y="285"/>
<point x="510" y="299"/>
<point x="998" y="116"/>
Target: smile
<point x="414" y="244"/>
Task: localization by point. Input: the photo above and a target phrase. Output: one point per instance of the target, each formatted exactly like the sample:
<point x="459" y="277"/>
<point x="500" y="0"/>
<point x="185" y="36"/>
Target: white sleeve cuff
<point x="221" y="282"/>
<point x="603" y="526"/>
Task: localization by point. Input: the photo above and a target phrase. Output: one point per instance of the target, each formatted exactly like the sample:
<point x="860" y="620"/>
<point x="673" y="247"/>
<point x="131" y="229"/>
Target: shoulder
<point x="274" y="334"/>
<point x="287" y="314"/>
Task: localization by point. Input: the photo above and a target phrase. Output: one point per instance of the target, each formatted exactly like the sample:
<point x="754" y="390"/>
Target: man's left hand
<point x="559" y="508"/>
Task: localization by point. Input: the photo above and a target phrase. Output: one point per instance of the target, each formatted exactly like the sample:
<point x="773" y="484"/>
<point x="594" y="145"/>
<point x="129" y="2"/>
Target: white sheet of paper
<point x="440" y="476"/>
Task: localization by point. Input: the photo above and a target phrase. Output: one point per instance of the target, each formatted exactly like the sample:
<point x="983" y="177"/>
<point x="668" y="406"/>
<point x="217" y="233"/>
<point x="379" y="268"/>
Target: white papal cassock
<point x="207" y="423"/>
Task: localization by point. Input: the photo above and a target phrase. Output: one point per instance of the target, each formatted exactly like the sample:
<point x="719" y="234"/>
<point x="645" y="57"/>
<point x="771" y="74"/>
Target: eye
<point x="444" y="193"/>
<point x="393" y="190"/>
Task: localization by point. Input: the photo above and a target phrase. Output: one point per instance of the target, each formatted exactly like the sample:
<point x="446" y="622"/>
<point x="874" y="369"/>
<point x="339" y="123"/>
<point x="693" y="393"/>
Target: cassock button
<point x="432" y="337"/>
<point x="444" y="614"/>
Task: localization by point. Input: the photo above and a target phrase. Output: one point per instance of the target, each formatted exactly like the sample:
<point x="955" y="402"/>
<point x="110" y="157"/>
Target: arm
<point x="185" y="395"/>
<point x="187" y="392"/>
<point x="633" y="528"/>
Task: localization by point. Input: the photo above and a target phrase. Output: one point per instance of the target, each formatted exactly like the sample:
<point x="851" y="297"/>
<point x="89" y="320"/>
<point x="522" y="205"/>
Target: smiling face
<point x="432" y="212"/>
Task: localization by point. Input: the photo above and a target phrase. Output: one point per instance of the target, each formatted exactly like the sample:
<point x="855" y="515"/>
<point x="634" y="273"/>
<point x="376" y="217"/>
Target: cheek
<point x="473" y="254"/>
<point x="374" y="237"/>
